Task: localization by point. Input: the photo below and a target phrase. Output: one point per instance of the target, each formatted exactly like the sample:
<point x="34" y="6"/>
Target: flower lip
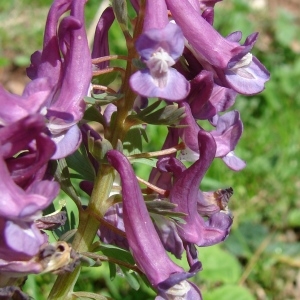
<point x="159" y="50"/>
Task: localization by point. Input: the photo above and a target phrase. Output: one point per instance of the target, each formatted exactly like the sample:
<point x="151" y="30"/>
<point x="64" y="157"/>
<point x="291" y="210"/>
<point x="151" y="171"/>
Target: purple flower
<point x="207" y="98"/>
<point x="156" y="15"/>
<point x="185" y="193"/>
<point x="100" y="46"/>
<point x="144" y="243"/>
<point x="114" y="217"/>
<point x="159" y="50"/>
<point x="69" y="77"/>
<point x="229" y="128"/>
<point x="15" y="107"/>
<point x="232" y="63"/>
<point x="24" y="154"/>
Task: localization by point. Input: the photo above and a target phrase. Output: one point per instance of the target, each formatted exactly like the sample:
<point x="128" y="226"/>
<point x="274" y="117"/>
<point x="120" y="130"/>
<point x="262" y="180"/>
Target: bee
<point x="222" y="197"/>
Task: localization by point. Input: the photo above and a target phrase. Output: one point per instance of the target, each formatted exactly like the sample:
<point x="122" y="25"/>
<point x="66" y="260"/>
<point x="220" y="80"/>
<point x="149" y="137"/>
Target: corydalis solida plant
<point x="190" y="76"/>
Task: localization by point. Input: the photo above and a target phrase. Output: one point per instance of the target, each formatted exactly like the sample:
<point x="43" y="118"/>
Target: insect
<point x="222" y="197"/>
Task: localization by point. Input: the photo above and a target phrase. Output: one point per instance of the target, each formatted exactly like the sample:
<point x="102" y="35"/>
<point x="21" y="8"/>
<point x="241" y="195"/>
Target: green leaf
<point x="160" y="205"/>
<point x="167" y="115"/>
<point x="219" y="265"/>
<point x="228" y="292"/>
<point x="68" y="235"/>
<point x="99" y="148"/>
<point x="93" y="114"/>
<point x="112" y="271"/>
<point x="145" y="161"/>
<point x="131" y="278"/>
<point x="103" y="99"/>
<point x="89" y="262"/>
<point x="62" y="175"/>
<point x="80" y="163"/>
<point x="120" y="10"/>
<point x="149" y="109"/>
<point x="105" y="79"/>
<point x="133" y="141"/>
<point x="115" y="252"/>
<point x="88" y="295"/>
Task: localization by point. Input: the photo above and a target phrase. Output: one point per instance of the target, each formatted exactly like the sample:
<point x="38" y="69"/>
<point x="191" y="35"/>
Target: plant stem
<point x="88" y="224"/>
<point x="87" y="229"/>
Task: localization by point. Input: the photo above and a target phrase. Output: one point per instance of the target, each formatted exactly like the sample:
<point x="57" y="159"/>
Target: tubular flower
<point x="229" y="128"/>
<point x="207" y="98"/>
<point x="100" y="46"/>
<point x="144" y="243"/>
<point x="159" y="50"/>
<point x="232" y="63"/>
<point x="185" y="193"/>
<point x="24" y="153"/>
<point x="64" y="105"/>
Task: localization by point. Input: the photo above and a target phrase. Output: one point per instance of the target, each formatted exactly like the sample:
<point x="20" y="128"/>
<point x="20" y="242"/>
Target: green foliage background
<point x="261" y="258"/>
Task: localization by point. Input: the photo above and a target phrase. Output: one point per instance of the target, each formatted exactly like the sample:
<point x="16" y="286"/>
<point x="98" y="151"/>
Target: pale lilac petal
<point x="250" y="80"/>
<point x="177" y="86"/>
<point x="169" y="38"/>
<point x="23" y="238"/>
<point x="67" y="142"/>
<point x="228" y="132"/>
<point x="234" y="162"/>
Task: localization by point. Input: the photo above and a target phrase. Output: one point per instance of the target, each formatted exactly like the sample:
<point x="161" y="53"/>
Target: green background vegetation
<point x="261" y="258"/>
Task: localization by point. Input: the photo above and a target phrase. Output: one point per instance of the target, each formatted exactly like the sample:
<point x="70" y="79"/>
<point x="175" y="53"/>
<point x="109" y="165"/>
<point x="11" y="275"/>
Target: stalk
<point x="88" y="224"/>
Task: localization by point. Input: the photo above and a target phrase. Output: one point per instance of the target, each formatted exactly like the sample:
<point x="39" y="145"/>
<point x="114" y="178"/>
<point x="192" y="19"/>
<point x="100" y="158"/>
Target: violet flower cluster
<point x="37" y="127"/>
<point x="185" y="64"/>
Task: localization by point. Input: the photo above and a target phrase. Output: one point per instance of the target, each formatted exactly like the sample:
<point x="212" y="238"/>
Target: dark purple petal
<point x="191" y="129"/>
<point x="185" y="194"/>
<point x="100" y="46"/>
<point x="16" y="137"/>
<point x="25" y="167"/>
<point x="201" y="35"/>
<point x="208" y="15"/>
<point x="15" y="202"/>
<point x="50" y="59"/>
<point x="201" y="90"/>
<point x="208" y="3"/>
<point x="222" y="98"/>
<point x="156" y="15"/>
<point x="169" y="237"/>
<point x="14" y="107"/>
<point x="114" y="216"/>
<point x="143" y="240"/>
<point x="177" y="286"/>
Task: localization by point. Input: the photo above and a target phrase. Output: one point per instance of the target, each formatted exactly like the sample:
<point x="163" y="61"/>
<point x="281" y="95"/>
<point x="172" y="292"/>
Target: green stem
<point x="87" y="229"/>
<point x="88" y="225"/>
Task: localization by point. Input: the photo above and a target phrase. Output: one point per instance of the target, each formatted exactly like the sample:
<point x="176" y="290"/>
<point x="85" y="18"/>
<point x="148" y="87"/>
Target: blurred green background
<point x="261" y="258"/>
